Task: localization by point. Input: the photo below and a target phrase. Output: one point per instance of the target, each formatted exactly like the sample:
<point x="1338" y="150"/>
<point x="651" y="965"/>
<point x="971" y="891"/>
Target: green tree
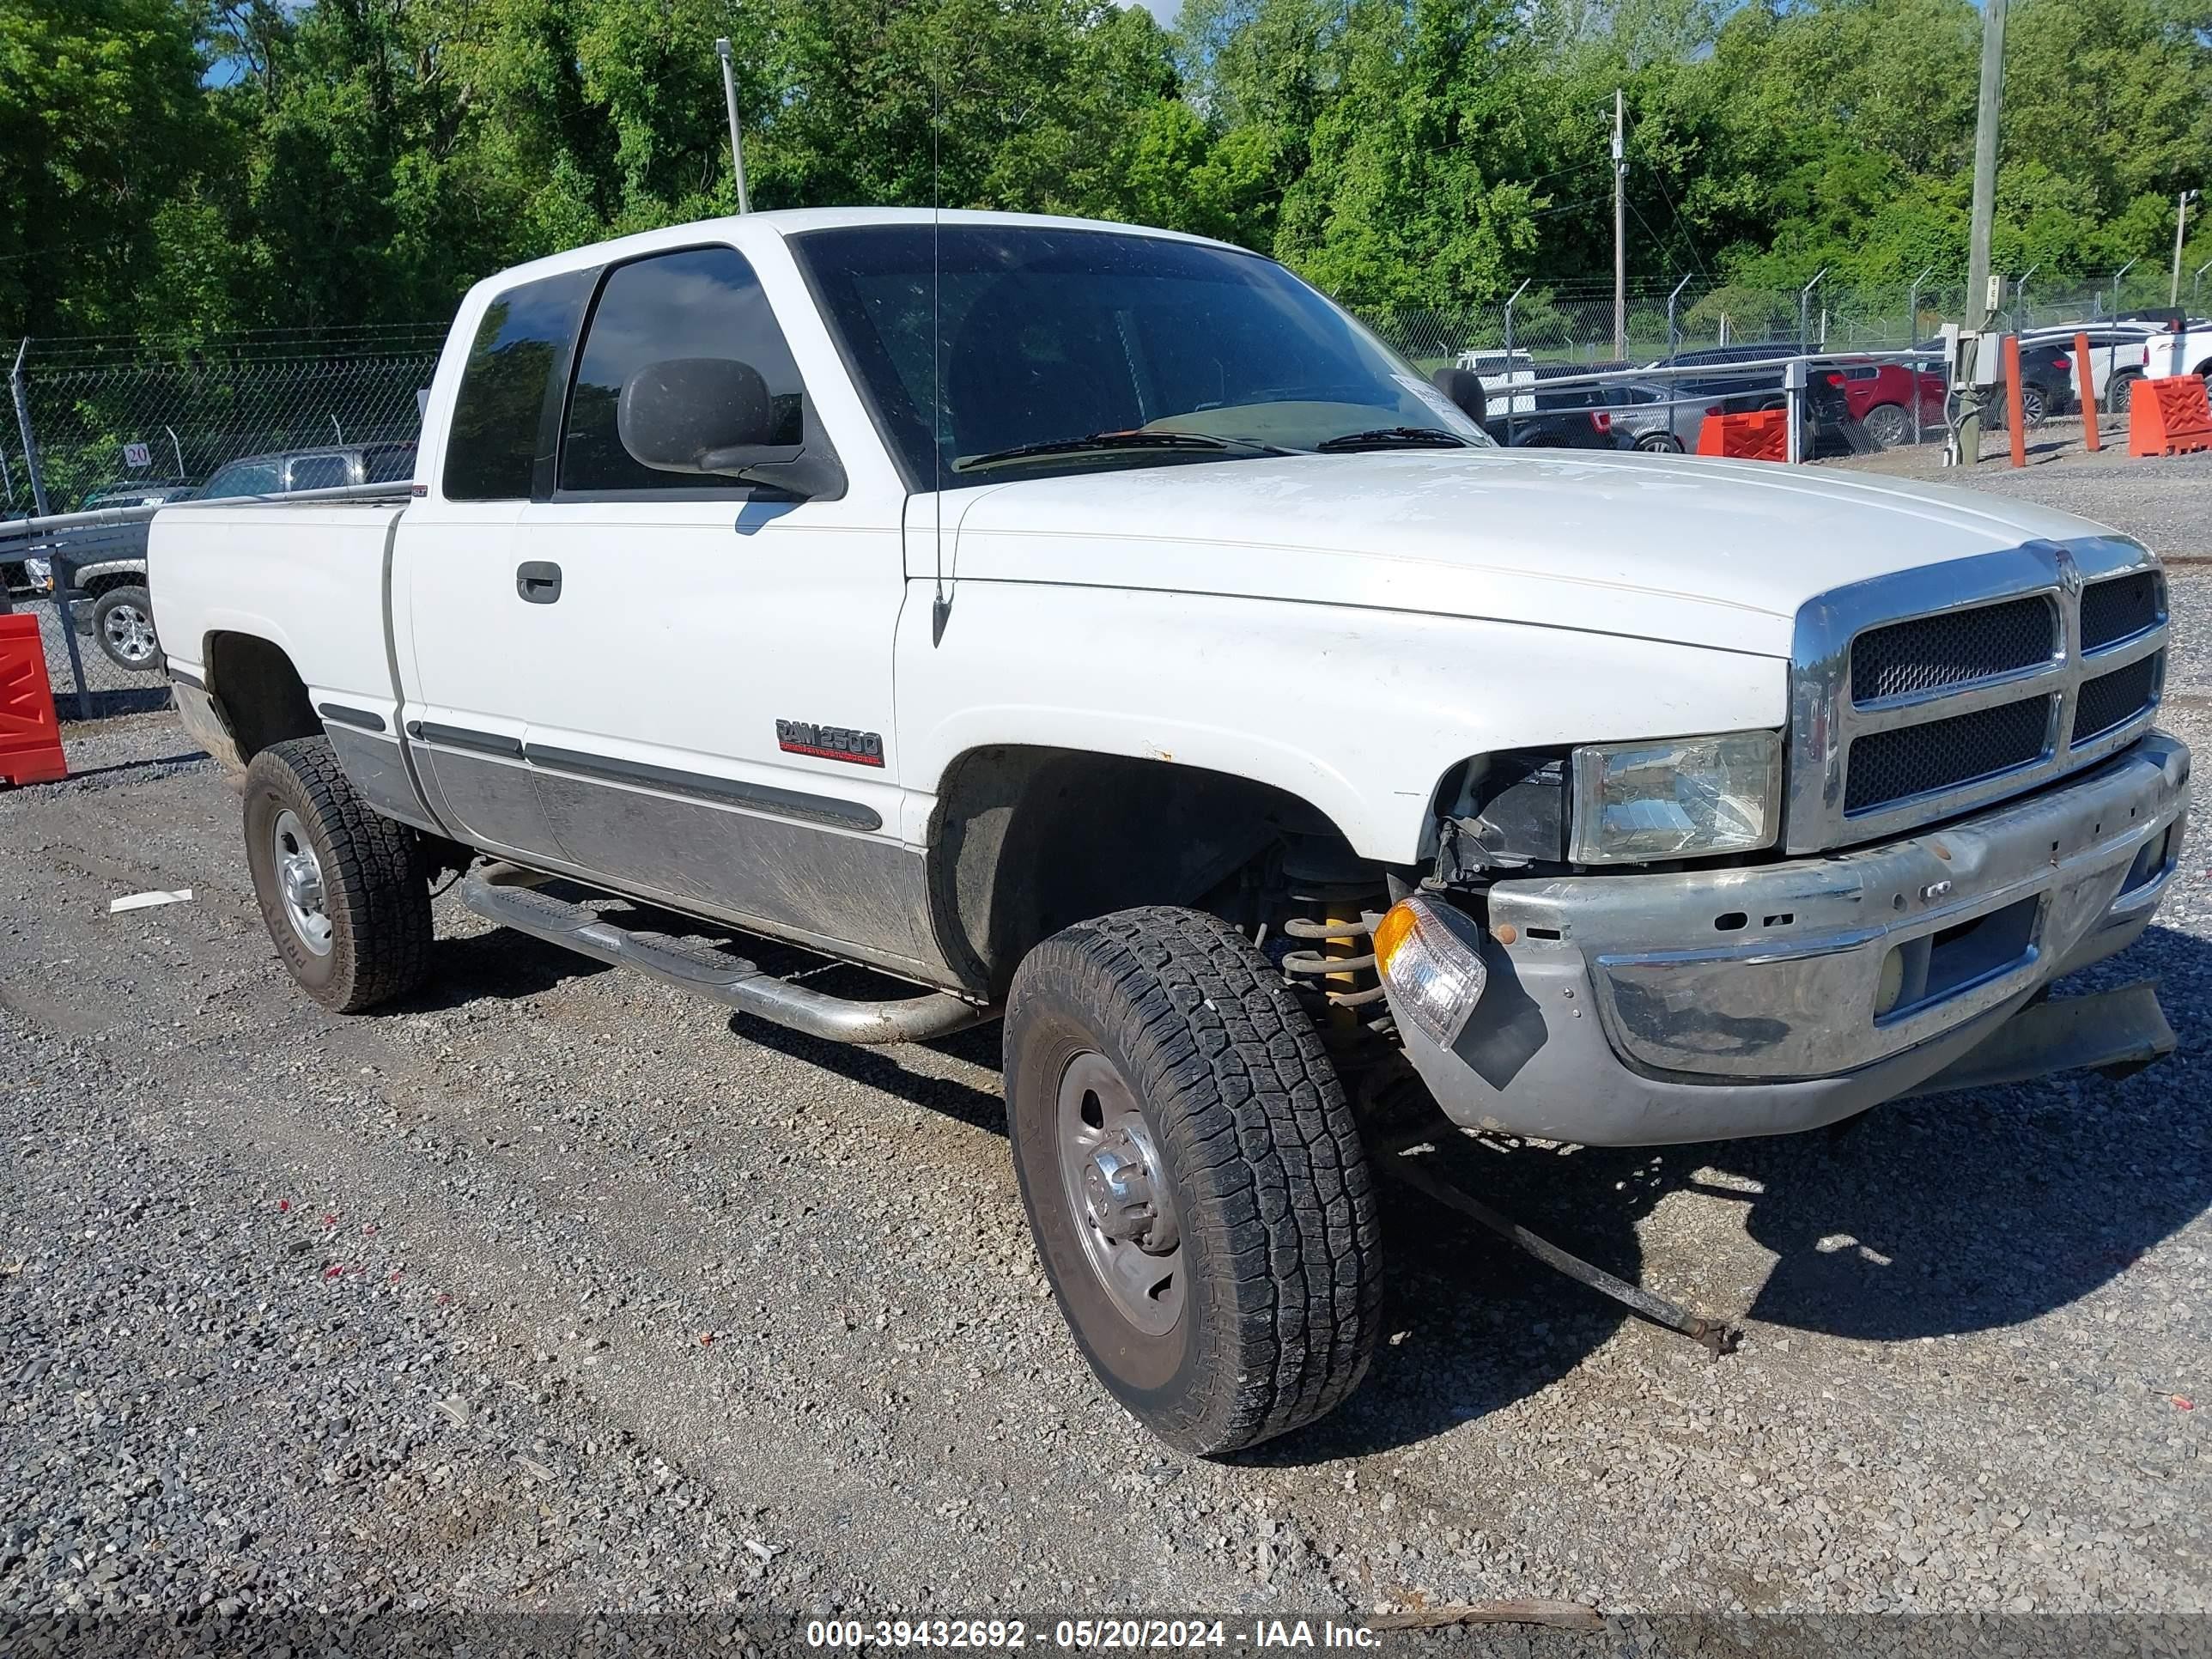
<point x="103" y="130"/>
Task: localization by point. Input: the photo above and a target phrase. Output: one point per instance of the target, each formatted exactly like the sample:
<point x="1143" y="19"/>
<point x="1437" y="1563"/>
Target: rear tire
<point x="1659" y="443"/>
<point x="343" y="891"/>
<point x="1889" y="425"/>
<point x="2118" y="393"/>
<point x="1156" y="1051"/>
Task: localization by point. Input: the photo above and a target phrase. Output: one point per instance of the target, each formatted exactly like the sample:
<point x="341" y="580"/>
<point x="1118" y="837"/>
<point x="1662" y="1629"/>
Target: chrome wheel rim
<point x="1886" y="426"/>
<point x="1118" y="1196"/>
<point x="129" y="632"/>
<point x="300" y="882"/>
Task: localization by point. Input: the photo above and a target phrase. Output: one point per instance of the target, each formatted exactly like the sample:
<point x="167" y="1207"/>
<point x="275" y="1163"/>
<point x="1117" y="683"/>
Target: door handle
<point x="537" y="581"/>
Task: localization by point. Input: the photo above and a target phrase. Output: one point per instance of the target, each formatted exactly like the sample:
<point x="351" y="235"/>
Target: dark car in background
<point x="2119" y="356"/>
<point x="1676" y="407"/>
<point x="126" y="541"/>
<point x="333" y="466"/>
<point x="1565" y="417"/>
<point x="2046" y="379"/>
<point x="2046" y="382"/>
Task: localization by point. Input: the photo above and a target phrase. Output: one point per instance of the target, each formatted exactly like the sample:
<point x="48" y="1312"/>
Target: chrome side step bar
<point x="731" y="980"/>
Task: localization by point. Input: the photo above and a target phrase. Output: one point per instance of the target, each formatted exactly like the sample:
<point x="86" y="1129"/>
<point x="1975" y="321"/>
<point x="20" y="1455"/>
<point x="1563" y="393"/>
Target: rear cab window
<point x="504" y="410"/>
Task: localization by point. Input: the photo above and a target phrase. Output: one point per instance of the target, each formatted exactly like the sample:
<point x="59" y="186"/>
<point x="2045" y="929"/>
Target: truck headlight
<point x="1636" y="803"/>
<point x="1433" y="969"/>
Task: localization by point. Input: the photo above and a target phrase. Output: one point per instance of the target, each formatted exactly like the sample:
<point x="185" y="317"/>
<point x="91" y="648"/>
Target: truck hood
<point x="1695" y="552"/>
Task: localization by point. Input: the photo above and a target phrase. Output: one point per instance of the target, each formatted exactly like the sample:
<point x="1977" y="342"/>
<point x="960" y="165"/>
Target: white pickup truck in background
<point x="2184" y="348"/>
<point x="1097" y="627"/>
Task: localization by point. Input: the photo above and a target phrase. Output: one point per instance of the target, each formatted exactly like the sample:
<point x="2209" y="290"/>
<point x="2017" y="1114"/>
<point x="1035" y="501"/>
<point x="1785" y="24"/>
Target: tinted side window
<point x="701" y="302"/>
<point x="243" y="478"/>
<point x="500" y="411"/>
<point x="319" y="472"/>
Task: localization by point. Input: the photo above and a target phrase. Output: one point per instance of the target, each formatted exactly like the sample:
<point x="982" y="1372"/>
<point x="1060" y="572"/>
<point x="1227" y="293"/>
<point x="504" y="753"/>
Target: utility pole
<point x="1620" y="237"/>
<point x="737" y="138"/>
<point x="1984" y="212"/>
<point x="2180" y="220"/>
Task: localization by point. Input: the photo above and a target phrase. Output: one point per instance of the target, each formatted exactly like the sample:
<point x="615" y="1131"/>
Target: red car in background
<point x="1880" y="398"/>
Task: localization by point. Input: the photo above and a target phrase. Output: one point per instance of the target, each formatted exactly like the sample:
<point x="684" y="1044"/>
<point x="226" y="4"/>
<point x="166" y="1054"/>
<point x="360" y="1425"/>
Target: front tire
<point x="1659" y="443"/>
<point x="123" y="622"/>
<point x="1193" y="1177"/>
<point x="343" y="891"/>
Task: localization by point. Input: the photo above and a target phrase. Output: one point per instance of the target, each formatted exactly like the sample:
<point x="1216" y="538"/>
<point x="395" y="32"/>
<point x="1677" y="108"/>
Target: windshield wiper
<point x="1111" y="440"/>
<point x="1392" y="437"/>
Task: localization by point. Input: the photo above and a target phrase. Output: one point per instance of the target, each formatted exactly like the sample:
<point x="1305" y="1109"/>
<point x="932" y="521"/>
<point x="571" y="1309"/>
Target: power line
<point x="1689" y="237"/>
<point x="1562" y="172"/>
<point x="1566" y="207"/>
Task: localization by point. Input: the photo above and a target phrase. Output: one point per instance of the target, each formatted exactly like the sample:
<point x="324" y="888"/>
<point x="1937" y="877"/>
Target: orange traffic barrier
<point x="2087" y="382"/>
<point x="30" y="738"/>
<point x="1764" y="436"/>
<point x="2016" y="417"/>
<point x="2169" y="416"/>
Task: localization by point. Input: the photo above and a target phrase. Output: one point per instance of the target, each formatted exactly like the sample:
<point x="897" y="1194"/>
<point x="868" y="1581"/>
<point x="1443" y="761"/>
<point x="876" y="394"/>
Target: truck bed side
<point x="275" y="614"/>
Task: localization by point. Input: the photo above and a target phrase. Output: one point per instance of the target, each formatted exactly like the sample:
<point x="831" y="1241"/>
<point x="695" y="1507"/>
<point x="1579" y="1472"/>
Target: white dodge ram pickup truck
<point x="1097" y="627"/>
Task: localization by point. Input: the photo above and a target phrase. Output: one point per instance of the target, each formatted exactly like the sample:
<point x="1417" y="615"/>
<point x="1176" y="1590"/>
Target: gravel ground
<point x="554" y="1290"/>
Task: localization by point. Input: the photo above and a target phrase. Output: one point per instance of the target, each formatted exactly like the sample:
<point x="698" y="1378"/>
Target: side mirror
<point x="714" y="416"/>
<point x="1464" y="388"/>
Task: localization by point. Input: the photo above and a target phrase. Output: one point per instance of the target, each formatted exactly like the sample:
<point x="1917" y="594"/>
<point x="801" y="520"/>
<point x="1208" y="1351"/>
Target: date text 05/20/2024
<point x="1087" y="1635"/>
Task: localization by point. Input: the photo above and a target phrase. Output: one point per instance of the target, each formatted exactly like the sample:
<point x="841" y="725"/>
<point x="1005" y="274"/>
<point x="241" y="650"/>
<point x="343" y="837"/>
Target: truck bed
<point x="308" y="576"/>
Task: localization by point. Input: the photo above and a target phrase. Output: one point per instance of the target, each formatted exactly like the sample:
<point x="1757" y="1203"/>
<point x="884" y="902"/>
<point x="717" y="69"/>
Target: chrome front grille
<point x="2116" y="698"/>
<point x="1925" y="694"/>
<point x="1907" y="761"/>
<point x="1956" y="647"/>
<point x="2119" y="608"/>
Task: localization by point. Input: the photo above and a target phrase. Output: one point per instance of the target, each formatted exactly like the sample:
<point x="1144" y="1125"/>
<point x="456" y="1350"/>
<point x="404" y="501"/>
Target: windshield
<point x="1051" y="337"/>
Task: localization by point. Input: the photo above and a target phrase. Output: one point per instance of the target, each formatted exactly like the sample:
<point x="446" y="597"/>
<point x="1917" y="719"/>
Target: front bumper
<point x="1650" y="1009"/>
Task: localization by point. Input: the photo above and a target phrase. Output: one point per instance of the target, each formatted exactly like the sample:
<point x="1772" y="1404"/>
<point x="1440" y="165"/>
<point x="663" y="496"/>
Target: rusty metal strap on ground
<point x="1716" y="1335"/>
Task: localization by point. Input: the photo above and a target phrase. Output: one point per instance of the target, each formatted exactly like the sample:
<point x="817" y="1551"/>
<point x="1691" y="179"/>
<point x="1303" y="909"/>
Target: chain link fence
<point x="107" y="423"/>
<point x="119" y="421"/>
<point x="1574" y="322"/>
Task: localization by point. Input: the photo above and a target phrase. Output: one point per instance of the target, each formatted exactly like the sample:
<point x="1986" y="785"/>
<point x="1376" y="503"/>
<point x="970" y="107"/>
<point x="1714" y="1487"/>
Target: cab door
<point x="717" y="723"/>
<point x="475" y="676"/>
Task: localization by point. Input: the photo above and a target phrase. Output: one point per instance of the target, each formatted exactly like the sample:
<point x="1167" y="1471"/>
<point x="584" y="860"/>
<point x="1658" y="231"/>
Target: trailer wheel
<point x="1192" y="1175"/>
<point x="343" y="891"/>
